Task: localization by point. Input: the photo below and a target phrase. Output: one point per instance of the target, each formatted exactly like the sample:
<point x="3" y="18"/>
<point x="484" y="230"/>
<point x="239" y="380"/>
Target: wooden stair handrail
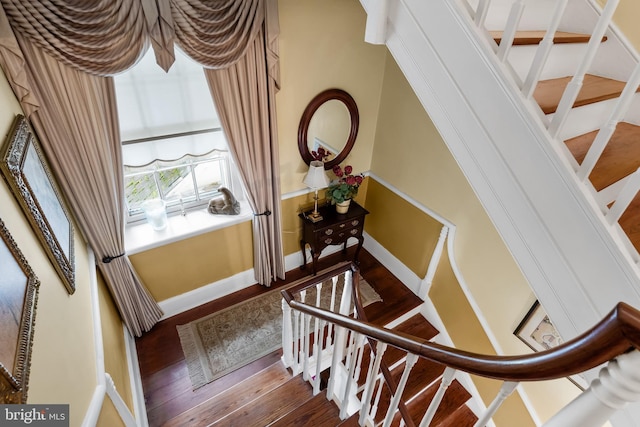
<point x="616" y="334"/>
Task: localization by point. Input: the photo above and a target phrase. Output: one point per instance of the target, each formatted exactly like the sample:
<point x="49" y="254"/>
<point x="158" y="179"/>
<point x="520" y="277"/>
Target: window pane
<point x="209" y="177"/>
<point x="175" y="181"/>
<point x="154" y="103"/>
<point x="138" y="188"/>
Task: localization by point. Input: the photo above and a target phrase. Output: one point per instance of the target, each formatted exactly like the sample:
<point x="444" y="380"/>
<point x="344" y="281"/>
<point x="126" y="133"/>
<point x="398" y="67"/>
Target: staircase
<point x="276" y="398"/>
<point x="498" y="108"/>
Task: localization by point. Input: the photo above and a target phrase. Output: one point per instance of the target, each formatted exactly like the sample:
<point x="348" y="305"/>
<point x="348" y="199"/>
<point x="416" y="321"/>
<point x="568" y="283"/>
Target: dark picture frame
<point x="25" y="169"/>
<point x="539" y="334"/>
<point x="19" y="288"/>
<point x="537" y="331"/>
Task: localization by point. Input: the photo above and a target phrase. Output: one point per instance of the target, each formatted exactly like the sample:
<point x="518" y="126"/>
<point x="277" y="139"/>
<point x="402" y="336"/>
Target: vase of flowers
<point x="344" y="187"/>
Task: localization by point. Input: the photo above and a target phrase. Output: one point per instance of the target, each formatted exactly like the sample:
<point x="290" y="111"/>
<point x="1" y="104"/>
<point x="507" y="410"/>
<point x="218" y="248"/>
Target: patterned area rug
<point x="224" y="341"/>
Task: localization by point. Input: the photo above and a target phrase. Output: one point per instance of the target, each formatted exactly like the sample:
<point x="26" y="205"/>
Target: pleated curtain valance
<point x="106" y="37"/>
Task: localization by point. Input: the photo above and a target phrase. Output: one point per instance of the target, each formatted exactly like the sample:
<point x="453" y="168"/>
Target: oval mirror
<point x="330" y="121"/>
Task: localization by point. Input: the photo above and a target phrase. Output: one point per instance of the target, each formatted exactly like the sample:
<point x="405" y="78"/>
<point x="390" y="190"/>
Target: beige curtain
<point x="82" y="140"/>
<point x="104" y="37"/>
<point x="248" y="122"/>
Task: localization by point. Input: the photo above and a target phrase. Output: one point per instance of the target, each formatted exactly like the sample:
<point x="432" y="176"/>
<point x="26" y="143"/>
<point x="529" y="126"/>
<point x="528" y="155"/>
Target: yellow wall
<point x="186" y="265"/>
<point x="321" y="47"/>
<point x="63" y="360"/>
<point x="626" y="18"/>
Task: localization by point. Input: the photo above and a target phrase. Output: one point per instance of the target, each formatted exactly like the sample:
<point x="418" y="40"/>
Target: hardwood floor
<point x="165" y="380"/>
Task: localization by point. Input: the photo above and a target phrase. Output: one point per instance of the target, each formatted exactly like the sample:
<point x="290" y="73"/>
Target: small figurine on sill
<point x="225" y="205"/>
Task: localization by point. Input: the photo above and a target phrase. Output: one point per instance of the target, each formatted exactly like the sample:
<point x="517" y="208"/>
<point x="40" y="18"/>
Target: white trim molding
<point x="105" y="385"/>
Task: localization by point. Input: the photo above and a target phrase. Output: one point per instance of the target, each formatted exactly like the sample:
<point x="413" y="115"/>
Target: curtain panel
<point x="105" y="37"/>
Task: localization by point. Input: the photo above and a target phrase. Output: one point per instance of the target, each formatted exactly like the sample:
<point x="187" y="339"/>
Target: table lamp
<point x="316" y="178"/>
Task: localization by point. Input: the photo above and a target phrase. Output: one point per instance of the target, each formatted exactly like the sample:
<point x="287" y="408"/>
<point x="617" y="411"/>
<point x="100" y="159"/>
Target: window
<point x="173" y="146"/>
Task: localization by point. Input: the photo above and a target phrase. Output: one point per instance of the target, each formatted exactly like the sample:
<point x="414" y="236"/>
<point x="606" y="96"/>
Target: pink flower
<point x="345" y="186"/>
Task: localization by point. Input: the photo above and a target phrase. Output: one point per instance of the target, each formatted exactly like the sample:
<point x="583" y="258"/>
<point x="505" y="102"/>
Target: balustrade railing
<point x="615" y="199"/>
<point x="614" y="341"/>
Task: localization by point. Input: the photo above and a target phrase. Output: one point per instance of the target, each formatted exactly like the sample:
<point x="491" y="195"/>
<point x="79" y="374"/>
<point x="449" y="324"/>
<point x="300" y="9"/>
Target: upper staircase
<point x="537" y="102"/>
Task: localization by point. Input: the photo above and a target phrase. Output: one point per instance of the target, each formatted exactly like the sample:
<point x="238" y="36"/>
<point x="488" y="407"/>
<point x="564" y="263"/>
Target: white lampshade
<point x="316" y="177"/>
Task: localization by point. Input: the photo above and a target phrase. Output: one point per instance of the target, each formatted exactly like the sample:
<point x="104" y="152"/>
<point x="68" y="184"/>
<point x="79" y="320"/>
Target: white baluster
<point x="372" y="376"/>
<point x="307" y="347"/>
<point x="574" y="86"/>
<point x="624" y="199"/>
<point x="376" y="401"/>
<point x="481" y="12"/>
<point x="316" y="341"/>
<point x="360" y="350"/>
<point x="332" y="307"/>
<point x="395" y="401"/>
<point x="506" y="389"/>
<point x="425" y="284"/>
<point x="542" y="53"/>
<point x="447" y="378"/>
<point x="287" y="335"/>
<point x="509" y="32"/>
<point x="617" y="385"/>
<point x="345" y="302"/>
<point x="296" y="343"/>
<point x="350" y="364"/>
<point x="606" y="132"/>
<point x="338" y="351"/>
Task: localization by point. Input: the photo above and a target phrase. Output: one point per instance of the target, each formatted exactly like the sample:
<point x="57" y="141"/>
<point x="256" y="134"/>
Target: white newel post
<point x="425" y="284"/>
<point x="617" y="384"/>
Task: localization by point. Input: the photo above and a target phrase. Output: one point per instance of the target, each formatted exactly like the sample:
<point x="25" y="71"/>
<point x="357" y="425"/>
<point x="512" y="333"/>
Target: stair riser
<point x="537" y="14"/>
<point x="561" y="62"/>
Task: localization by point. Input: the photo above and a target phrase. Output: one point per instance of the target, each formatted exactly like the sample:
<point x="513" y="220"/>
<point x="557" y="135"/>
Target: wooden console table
<point x="333" y="229"/>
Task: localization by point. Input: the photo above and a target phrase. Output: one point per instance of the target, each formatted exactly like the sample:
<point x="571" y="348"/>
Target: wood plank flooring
<point x="165" y="380"/>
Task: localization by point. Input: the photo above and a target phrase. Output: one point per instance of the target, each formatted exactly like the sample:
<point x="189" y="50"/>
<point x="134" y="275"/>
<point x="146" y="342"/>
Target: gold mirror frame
<point x="307" y="115"/>
<point x="14" y="380"/>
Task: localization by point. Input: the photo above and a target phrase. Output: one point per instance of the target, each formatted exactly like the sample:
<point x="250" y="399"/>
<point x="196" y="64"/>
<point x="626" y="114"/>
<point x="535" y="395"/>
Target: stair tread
<point x="594" y="89"/>
<point x="233" y="398"/>
<point x="417" y="326"/>
<point x="535" y="37"/>
<point x="620" y="158"/>
<point x="424" y="372"/>
<point x="461" y="417"/>
<point x="629" y="222"/>
<point x="455" y="397"/>
<point x="316" y="412"/>
<point x="271" y="406"/>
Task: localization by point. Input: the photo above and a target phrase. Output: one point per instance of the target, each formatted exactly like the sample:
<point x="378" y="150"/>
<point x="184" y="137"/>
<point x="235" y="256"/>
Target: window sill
<point x="139" y="237"/>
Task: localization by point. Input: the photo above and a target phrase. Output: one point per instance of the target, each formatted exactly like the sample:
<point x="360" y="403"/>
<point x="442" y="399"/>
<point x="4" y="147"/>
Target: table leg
<point x="315" y="257"/>
<point x="355" y="256"/>
<point x="304" y="255"/>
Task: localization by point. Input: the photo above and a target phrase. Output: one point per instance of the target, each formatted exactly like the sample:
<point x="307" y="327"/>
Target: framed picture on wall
<point x="25" y="169"/>
<point x="537" y="331"/>
<point x="18" y="298"/>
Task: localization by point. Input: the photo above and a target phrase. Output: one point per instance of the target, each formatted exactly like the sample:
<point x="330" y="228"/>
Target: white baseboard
<point x="207" y="293"/>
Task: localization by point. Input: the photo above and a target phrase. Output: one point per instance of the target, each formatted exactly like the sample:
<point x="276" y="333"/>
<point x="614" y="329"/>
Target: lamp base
<point x="314" y="217"/>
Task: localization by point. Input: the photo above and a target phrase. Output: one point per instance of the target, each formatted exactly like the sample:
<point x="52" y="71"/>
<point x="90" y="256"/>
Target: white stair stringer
<point x="573" y="260"/>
